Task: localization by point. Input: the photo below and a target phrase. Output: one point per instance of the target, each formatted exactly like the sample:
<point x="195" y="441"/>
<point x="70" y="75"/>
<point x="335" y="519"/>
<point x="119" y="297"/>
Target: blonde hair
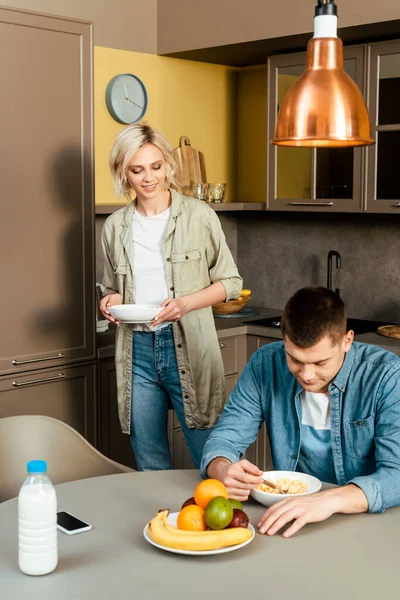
<point x="127" y="144"/>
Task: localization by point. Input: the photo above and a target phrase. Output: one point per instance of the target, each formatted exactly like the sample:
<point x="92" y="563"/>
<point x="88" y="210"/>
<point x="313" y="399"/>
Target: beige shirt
<point x="196" y="255"/>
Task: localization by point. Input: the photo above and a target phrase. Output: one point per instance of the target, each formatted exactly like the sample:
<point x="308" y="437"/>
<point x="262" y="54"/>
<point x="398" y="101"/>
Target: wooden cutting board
<point x="390" y="331"/>
<point x="191" y="165"/>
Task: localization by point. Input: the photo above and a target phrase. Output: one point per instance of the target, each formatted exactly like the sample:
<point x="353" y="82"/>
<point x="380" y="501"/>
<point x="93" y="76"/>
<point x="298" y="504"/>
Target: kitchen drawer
<point x="66" y="393"/>
<point x="228" y="348"/>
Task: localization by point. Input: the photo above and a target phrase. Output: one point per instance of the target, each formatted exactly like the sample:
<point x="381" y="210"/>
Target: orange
<point x="207" y="490"/>
<point x="191" y="518"/>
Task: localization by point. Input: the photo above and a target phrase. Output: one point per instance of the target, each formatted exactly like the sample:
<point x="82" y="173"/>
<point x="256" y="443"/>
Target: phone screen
<point x="70" y="522"/>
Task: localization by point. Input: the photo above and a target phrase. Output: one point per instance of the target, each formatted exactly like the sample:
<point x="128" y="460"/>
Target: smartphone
<point x="70" y="524"/>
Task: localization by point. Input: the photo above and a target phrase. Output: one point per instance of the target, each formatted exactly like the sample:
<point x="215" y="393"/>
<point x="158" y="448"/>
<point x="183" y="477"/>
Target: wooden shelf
<point x="232" y="206"/>
<point x="107" y="209"/>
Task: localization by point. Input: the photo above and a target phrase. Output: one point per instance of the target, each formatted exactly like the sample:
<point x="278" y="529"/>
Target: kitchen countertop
<point x="238" y="326"/>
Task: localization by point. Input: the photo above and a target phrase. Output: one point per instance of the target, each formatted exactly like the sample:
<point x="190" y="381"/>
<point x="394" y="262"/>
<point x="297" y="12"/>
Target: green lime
<point x="218" y="513"/>
<point x="235" y="503"/>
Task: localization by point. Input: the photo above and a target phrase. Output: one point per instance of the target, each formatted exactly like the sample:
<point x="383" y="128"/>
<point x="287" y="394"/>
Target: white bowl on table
<point x="135" y="313"/>
<point x="267" y="499"/>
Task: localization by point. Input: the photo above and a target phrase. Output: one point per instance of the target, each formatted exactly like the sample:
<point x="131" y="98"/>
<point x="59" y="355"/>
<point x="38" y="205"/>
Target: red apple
<point x="239" y="519"/>
<point x="188" y="502"/>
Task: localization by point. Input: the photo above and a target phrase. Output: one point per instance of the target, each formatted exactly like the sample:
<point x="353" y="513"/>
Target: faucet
<point x="331" y="254"/>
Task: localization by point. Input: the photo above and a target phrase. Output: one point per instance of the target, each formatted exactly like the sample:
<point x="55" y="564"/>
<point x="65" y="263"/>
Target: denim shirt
<point x="365" y="419"/>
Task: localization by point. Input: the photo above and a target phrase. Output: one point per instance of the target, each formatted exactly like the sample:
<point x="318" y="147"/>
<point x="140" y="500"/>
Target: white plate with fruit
<point x="172" y="518"/>
<point x="208" y="523"/>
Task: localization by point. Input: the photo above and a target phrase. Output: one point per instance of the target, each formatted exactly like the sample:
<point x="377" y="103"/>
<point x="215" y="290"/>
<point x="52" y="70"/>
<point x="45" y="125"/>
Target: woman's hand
<point x="174" y="309"/>
<point x="110" y="300"/>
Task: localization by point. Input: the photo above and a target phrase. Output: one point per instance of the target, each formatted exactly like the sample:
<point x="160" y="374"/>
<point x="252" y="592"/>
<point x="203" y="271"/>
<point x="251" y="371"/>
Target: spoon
<point x="269" y="483"/>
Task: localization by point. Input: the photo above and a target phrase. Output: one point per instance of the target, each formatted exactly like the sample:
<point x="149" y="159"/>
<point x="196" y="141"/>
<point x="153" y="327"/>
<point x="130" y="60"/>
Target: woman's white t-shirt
<point x="150" y="284"/>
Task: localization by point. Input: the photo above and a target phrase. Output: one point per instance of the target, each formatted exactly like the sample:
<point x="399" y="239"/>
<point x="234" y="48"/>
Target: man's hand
<point x="312" y="509"/>
<point x="174" y="310"/>
<point x="239" y="478"/>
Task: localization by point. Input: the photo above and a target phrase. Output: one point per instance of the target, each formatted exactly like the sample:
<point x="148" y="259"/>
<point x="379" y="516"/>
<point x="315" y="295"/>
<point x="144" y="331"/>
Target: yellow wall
<point x="185" y="98"/>
<point x="252" y="120"/>
<point x="293" y="164"/>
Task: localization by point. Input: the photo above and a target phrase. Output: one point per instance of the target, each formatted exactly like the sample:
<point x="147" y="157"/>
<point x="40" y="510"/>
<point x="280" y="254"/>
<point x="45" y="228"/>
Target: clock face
<point x="126" y="98"/>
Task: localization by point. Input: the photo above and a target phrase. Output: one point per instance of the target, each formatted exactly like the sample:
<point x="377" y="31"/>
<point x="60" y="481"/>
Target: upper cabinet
<point x="383" y="189"/>
<point x="323" y="179"/>
<point x="340" y="179"/>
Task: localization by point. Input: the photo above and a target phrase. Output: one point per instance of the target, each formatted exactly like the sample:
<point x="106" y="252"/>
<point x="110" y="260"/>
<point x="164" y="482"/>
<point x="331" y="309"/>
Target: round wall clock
<point x="126" y="98"/>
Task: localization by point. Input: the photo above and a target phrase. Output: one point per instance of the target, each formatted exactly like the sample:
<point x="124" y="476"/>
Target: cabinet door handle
<point x="24" y="383"/>
<point x="36" y="360"/>
<point x="222" y="345"/>
<point x="396" y="204"/>
<point x="311" y="203"/>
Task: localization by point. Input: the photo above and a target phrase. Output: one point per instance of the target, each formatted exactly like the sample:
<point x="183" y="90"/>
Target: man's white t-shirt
<point x="150" y="284"/>
<point x="316" y="456"/>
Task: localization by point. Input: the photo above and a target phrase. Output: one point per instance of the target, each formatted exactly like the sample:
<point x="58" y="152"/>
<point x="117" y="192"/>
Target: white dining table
<point x="346" y="557"/>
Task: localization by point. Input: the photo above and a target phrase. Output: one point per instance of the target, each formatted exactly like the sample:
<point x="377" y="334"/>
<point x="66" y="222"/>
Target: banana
<point x="167" y="535"/>
<point x="244" y="293"/>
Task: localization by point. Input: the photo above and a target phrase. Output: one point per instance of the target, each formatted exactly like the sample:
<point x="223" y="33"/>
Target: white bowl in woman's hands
<point x="134" y="313"/>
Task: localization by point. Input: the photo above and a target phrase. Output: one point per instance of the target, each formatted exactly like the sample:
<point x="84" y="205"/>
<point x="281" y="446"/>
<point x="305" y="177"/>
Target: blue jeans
<point x="155" y="379"/>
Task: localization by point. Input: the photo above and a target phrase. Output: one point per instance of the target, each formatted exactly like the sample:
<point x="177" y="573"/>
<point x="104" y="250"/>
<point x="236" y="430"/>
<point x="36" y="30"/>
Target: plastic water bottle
<point x="37" y="522"/>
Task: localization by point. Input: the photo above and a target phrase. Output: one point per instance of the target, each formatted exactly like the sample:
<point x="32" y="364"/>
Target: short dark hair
<point x="311" y="314"/>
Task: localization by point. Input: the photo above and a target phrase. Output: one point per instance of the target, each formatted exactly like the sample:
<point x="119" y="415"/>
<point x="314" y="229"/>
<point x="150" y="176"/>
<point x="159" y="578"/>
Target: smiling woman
<point x="147" y="171"/>
<point x="164" y="249"/>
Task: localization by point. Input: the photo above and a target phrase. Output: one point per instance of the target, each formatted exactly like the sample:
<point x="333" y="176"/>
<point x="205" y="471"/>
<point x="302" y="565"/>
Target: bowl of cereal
<point x="289" y="484"/>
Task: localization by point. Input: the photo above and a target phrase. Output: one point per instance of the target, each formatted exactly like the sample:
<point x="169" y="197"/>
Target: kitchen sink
<point x="357" y="325"/>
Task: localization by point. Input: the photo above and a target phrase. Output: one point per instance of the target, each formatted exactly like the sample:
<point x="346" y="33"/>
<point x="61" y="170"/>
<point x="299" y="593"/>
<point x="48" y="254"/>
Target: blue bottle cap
<point x="37" y="466"/>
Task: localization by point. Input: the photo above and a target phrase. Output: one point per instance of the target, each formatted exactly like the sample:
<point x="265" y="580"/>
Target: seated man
<point x="331" y="408"/>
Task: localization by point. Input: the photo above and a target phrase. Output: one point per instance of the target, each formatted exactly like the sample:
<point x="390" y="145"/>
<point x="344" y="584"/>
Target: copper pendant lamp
<point x="324" y="108"/>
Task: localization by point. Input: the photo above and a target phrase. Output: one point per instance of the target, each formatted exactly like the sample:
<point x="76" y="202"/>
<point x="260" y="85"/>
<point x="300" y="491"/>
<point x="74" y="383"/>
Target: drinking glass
<point x="216" y="192"/>
<point x="200" y="190"/>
